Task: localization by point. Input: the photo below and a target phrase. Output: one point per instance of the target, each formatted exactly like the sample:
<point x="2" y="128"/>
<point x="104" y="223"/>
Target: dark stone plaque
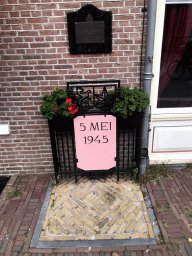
<point x="90" y="30"/>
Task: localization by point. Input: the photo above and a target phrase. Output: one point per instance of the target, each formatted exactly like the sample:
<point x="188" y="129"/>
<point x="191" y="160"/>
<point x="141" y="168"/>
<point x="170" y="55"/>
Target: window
<point x="175" y="80"/>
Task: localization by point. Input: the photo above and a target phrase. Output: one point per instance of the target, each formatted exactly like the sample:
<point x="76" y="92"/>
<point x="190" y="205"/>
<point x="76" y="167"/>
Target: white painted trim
<point x="157" y="54"/>
<point x="172" y="117"/>
<point x="172" y="110"/>
<point x="165" y="116"/>
<point x="169" y="157"/>
<point x="172" y="123"/>
<point x="178" y="1"/>
<point x="157" y="60"/>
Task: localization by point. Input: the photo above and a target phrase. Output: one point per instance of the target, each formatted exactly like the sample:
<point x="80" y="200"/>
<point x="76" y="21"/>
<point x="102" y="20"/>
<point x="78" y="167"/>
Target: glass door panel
<point x="175" y="82"/>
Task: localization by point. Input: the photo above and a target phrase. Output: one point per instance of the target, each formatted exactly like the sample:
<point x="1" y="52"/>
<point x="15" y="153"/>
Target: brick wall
<point x="35" y="58"/>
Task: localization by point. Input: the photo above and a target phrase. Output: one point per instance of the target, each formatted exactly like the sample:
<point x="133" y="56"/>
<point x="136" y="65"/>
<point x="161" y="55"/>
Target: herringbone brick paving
<point x="96" y="209"/>
<point x="171" y="199"/>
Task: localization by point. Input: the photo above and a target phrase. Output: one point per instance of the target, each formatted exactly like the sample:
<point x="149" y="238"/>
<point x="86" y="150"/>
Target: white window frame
<point x="157" y="60"/>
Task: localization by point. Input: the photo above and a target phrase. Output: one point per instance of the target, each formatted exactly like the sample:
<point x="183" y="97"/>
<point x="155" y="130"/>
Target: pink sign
<point x="95" y="138"/>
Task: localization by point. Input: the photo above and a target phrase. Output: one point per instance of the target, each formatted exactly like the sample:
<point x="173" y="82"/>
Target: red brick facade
<point x="35" y="58"/>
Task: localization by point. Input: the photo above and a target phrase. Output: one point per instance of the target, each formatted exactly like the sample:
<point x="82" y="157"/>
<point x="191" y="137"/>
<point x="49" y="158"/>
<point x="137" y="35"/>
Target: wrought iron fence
<point x="93" y="96"/>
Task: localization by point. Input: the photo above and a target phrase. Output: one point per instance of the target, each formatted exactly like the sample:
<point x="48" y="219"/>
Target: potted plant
<point x="60" y="107"/>
<point x="129" y="105"/>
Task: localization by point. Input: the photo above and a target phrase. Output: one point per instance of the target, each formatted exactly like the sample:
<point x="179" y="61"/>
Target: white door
<point x="170" y="138"/>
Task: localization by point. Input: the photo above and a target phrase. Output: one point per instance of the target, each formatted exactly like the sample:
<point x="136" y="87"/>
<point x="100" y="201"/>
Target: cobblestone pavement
<point x="171" y="199"/>
<point x="96" y="209"/>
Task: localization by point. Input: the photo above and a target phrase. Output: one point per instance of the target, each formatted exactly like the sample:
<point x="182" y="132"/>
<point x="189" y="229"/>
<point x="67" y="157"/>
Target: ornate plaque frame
<point x="90" y="30"/>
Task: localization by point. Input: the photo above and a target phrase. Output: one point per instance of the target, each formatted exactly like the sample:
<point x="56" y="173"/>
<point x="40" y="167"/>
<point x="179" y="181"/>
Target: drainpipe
<point x="147" y="77"/>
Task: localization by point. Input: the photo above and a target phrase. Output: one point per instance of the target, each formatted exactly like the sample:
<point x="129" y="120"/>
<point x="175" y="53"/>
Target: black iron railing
<point x="94" y="99"/>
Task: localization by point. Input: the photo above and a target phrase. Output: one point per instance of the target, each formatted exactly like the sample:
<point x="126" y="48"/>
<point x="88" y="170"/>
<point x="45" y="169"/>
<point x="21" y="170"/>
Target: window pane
<point x="175" y="83"/>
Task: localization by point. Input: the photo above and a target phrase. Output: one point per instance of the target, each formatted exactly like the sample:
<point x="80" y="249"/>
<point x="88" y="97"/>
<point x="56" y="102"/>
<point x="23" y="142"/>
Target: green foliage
<point x="169" y="240"/>
<point x="154" y="173"/>
<point x="189" y="214"/>
<point x="159" y="209"/>
<point x="53" y="203"/>
<point x="55" y="104"/>
<point x="187" y="170"/>
<point x="125" y="105"/>
<point x="135" y="174"/>
<point x="164" y="224"/>
<point x="13" y="193"/>
<point x="184" y="236"/>
<point x="130" y="101"/>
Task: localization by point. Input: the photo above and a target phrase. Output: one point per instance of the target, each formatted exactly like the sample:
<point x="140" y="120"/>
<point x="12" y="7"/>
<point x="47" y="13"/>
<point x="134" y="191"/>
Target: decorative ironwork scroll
<point x="95" y="96"/>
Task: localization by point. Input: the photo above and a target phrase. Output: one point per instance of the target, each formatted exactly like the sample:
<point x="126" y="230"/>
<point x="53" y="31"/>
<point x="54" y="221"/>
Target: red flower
<point x="56" y="109"/>
<point x="70" y="108"/>
<point x="73" y="109"/>
<point x="69" y="101"/>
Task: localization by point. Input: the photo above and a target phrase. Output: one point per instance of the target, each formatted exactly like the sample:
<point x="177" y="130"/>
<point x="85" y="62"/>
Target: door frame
<point x="162" y="117"/>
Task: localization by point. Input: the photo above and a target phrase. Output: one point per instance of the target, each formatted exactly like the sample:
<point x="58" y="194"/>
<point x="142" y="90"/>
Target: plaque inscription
<point x="89" y="32"/>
